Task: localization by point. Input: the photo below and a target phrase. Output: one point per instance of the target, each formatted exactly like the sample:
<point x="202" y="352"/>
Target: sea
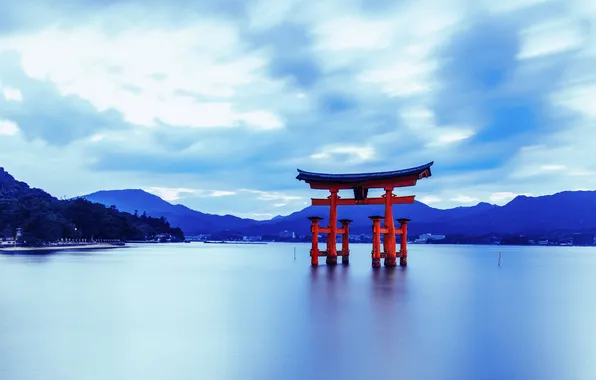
<point x="225" y="311"/>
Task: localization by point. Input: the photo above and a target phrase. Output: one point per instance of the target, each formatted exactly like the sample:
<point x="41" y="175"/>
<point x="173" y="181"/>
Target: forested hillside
<point x="44" y="218"/>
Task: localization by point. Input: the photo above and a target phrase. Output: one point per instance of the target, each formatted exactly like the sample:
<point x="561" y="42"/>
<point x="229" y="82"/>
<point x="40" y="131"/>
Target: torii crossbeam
<point x="360" y="184"/>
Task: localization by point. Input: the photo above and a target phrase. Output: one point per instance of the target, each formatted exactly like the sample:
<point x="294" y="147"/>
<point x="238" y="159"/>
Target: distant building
<point x="362" y="238"/>
<point x="19" y="235"/>
<point x="164" y="238"/>
<point x="252" y="238"/>
<point x="286" y="234"/>
<point x="425" y="238"/>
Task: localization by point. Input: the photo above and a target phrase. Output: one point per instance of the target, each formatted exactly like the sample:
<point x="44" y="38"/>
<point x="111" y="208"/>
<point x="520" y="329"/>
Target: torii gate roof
<point x="403" y="177"/>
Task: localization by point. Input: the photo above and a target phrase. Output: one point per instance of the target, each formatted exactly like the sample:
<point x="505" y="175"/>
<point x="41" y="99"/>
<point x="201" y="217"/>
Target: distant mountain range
<point x="571" y="211"/>
<point x="191" y="221"/>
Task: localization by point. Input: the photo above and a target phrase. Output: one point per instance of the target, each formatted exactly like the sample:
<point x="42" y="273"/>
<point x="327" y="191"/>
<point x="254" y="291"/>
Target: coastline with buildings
<point x="565" y="239"/>
<point x="19" y="244"/>
<point x="7" y="248"/>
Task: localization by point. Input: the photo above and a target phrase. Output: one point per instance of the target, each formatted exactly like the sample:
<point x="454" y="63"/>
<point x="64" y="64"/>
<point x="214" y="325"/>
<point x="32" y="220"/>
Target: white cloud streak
<point x="11" y="94"/>
<point x="8" y="128"/>
<point x="152" y="75"/>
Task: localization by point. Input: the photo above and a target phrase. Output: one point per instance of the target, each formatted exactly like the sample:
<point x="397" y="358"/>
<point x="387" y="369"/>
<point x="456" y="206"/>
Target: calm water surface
<point x="201" y="311"/>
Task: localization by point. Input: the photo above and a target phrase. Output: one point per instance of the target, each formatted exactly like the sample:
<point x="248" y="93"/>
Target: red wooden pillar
<point x="403" y="247"/>
<point x="332" y="236"/>
<point x="390" y="249"/>
<point x="376" y="250"/>
<point x="314" y="251"/>
<point x="345" y="242"/>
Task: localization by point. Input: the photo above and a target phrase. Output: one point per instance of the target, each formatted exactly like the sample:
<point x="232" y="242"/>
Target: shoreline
<point x="231" y="242"/>
<point x="58" y="248"/>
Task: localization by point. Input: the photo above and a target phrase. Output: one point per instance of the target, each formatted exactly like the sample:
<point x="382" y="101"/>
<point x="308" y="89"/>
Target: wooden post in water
<point x="332" y="235"/>
<point x="314" y="251"/>
<point x="389" y="241"/>
<point x="345" y="242"/>
<point x="376" y="250"/>
<point x="403" y="248"/>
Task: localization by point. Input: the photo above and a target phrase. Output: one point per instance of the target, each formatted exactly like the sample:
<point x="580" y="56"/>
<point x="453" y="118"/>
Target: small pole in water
<point x="499" y="259"/>
<point x="294" y="253"/>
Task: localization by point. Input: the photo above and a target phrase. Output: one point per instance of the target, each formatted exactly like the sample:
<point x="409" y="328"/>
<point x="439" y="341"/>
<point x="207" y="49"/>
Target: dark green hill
<point x="44" y="218"/>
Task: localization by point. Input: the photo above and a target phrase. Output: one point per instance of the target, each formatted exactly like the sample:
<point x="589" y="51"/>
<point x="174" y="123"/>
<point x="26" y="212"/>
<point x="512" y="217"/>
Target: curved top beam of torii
<point x="396" y="178"/>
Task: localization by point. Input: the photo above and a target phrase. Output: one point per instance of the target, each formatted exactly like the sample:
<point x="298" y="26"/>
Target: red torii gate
<point x="361" y="183"/>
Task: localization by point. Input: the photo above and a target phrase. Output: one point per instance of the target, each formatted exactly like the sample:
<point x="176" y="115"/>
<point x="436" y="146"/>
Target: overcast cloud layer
<point x="215" y="104"/>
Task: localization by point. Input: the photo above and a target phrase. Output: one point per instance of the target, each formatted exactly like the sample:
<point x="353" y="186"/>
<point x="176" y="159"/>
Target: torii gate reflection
<point x="361" y="183"/>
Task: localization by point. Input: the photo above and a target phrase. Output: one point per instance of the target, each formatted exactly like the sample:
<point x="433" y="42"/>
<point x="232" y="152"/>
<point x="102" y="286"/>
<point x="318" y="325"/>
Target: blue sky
<point x="215" y="104"/>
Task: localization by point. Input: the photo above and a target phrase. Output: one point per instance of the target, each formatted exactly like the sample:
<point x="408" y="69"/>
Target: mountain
<point x="44" y="218"/>
<point x="566" y="211"/>
<point x="130" y="200"/>
<point x="194" y="222"/>
<point x="569" y="210"/>
<point x="190" y="221"/>
<point x="47" y="217"/>
<point x="298" y="222"/>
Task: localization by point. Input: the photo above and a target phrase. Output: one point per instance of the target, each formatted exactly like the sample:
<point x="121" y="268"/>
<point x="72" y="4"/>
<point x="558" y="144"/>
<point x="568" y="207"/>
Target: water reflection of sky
<point x="197" y="311"/>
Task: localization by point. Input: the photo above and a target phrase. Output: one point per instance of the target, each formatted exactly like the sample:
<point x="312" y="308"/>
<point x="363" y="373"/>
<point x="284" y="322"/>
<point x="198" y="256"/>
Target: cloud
<point x="575" y="98"/>
<point x="221" y="193"/>
<point x="501" y="196"/>
<point x="402" y="79"/>
<point x="429" y="200"/>
<point x="215" y="104"/>
<point x="42" y="112"/>
<point x="8" y="128"/>
<point x="271" y="195"/>
<point x="255" y="215"/>
<point x="206" y="60"/>
<point x="353" y="33"/>
<point x="12" y="94"/>
<point x="451" y="136"/>
<point x="173" y="194"/>
<point x="506" y="196"/>
<point x="169" y="194"/>
<point x="464" y="199"/>
<point x="550" y="38"/>
<point x="297" y="66"/>
<point x="97" y="138"/>
<point x="261" y="120"/>
<point x="344" y="153"/>
<point x="553" y="168"/>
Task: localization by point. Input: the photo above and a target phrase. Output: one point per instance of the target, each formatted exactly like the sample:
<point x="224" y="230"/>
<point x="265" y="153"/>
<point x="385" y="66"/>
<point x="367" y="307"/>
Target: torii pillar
<point x="376" y="248"/>
<point x="332" y="235"/>
<point x="403" y="247"/>
<point x="389" y="237"/>
<point x="314" y="229"/>
<point x="345" y="241"/>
